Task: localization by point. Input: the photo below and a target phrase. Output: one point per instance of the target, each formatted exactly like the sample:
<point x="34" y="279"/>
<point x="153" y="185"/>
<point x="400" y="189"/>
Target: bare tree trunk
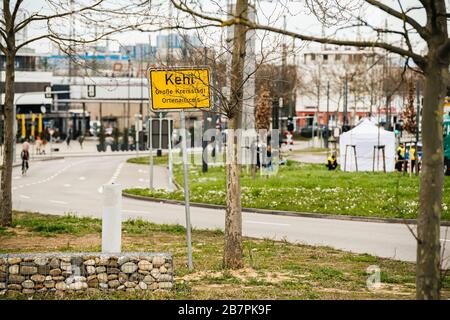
<point x="232" y="255"/>
<point x="233" y="216"/>
<point x="431" y="183"/>
<point x="5" y="189"/>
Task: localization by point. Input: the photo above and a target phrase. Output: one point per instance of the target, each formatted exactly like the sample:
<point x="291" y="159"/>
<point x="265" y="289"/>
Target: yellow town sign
<point x="179" y="88"/>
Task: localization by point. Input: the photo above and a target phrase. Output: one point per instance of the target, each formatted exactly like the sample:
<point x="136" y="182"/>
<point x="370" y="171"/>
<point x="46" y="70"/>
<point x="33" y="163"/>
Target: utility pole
<point x="283" y="68"/>
<point x="344" y="122"/>
<point x="141" y="105"/>
<point x="72" y="27"/>
<point x="328" y="115"/>
<point x="205" y="128"/>
<point x="371" y="95"/>
<point x="128" y="101"/>
<point x="417" y="125"/>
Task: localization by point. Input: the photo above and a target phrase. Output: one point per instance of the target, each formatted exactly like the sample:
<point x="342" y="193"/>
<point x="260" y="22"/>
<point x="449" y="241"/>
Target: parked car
<point x="307" y="131"/>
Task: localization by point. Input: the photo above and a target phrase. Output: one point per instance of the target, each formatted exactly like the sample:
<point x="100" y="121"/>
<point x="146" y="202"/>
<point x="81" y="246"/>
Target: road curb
<point x="284" y="213"/>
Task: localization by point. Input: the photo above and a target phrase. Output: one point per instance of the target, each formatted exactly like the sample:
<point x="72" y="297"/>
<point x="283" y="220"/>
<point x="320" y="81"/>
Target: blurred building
<point x="93" y="85"/>
<point x="342" y="85"/>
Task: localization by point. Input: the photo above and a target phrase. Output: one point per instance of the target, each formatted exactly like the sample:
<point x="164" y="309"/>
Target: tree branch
<point x="418" y="59"/>
<point x="402" y="16"/>
<point x="16" y="9"/>
<point x="37" y="17"/>
<point x="3" y="34"/>
<point x="3" y="49"/>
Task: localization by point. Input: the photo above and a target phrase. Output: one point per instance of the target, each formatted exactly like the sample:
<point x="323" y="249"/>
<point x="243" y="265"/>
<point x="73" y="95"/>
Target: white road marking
<point x="267" y="223"/>
<point x="58" y="202"/>
<point x="67" y="185"/>
<point x="17" y="177"/>
<point x="114" y="177"/>
<point x="82" y="178"/>
<point x="24" y="197"/>
<point x="135" y="211"/>
<point x="51" y="177"/>
<point x="447" y="240"/>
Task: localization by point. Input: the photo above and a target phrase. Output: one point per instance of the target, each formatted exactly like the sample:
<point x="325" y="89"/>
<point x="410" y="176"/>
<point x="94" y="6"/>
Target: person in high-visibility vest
<point x="401" y="153"/>
<point x="331" y="162"/>
<point x="413" y="157"/>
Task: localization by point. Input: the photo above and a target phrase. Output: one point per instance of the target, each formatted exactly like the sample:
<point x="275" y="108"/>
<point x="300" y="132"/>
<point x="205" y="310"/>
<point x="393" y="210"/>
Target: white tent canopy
<point x="365" y="137"/>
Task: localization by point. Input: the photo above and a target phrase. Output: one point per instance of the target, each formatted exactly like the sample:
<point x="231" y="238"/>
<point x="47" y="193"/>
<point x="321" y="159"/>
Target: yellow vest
<point x="402" y="151"/>
<point x="412" y="153"/>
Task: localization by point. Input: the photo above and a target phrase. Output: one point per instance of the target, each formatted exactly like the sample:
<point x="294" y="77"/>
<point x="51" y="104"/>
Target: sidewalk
<point x="306" y="157"/>
<point x="73" y="150"/>
<point x="90" y="149"/>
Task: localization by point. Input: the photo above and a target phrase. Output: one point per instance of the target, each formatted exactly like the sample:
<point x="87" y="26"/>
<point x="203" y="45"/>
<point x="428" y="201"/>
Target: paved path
<point x="73" y="185"/>
<point x="89" y="149"/>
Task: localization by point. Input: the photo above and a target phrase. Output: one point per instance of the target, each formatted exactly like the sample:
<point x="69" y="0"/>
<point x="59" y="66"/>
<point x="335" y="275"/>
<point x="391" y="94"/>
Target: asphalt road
<point x="73" y="185"/>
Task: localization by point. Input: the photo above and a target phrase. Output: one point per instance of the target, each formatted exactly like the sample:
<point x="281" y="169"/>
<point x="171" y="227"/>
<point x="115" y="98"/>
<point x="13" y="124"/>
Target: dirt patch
<point x="244" y="275"/>
<point x="24" y="241"/>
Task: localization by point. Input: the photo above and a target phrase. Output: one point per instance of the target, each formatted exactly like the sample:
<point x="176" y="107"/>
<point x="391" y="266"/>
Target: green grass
<point x="272" y="269"/>
<point x="4" y="232"/>
<point x="53" y="225"/>
<point x="310" y="188"/>
<point x="49" y="225"/>
<point x="157" y="161"/>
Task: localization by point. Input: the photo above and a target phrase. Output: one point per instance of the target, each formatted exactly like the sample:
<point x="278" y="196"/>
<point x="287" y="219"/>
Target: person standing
<point x="69" y="136"/>
<point x="81" y="140"/>
<point x="413" y="157"/>
<point x="25" y="156"/>
<point x="38" y="145"/>
<point x="401" y="153"/>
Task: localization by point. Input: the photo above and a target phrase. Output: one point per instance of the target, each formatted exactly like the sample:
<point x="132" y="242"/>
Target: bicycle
<point x="24" y="167"/>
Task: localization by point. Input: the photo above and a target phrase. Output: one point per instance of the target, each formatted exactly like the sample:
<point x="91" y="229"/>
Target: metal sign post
<point x="186" y="188"/>
<point x="159" y="153"/>
<point x="137" y="126"/>
<point x="150" y="136"/>
<point x="170" y="187"/>
<point x="176" y="89"/>
<point x="51" y="131"/>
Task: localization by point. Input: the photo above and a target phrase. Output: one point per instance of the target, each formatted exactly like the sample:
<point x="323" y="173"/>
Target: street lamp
<point x="128" y="103"/>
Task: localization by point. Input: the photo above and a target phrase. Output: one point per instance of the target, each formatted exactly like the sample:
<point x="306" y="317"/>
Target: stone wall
<point x="70" y="272"/>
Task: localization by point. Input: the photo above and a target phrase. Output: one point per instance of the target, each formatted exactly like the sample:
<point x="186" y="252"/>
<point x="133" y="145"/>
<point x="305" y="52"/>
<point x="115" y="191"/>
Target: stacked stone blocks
<point x="95" y="272"/>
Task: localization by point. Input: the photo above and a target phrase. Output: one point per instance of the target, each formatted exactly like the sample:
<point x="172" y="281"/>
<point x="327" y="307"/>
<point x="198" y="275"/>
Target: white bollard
<point x="112" y="219"/>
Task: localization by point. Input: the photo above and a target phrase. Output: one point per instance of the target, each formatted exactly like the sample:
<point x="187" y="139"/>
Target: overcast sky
<point x="298" y="18"/>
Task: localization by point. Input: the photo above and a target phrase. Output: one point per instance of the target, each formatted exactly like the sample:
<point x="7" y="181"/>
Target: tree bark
<point x="233" y="252"/>
<point x="5" y="188"/>
<point x="431" y="182"/>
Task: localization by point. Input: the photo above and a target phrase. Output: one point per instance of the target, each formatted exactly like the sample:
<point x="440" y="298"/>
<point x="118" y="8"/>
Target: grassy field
<point x="308" y="188"/>
<point x="273" y="269"/>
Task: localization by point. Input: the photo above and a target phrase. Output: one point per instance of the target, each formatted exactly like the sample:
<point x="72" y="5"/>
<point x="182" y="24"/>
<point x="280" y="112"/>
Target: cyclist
<point x="25" y="155"/>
